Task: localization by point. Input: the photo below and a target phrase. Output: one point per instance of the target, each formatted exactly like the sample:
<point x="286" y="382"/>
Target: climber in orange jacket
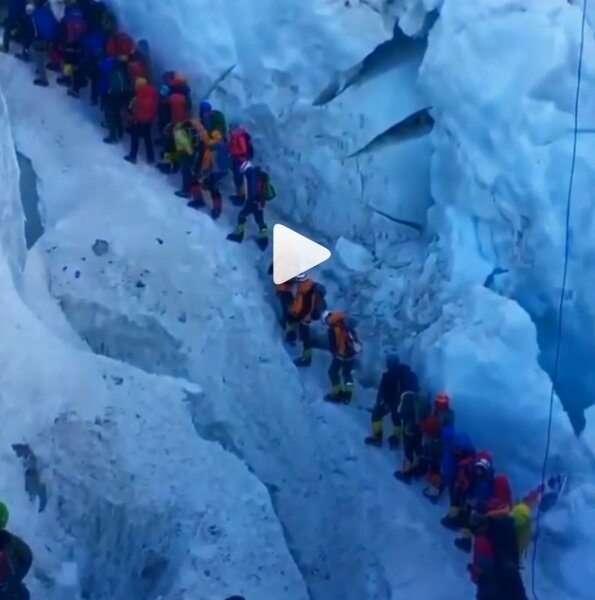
<point x="143" y="112"/>
<point x="214" y="165"/>
<point x="308" y="305"/>
<point x="344" y="346"/>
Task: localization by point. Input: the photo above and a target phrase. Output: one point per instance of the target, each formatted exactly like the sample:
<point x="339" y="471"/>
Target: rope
<point x="562" y="291"/>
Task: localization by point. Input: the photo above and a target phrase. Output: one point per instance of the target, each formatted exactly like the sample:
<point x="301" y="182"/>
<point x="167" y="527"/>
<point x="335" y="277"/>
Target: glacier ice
<point x="487" y="200"/>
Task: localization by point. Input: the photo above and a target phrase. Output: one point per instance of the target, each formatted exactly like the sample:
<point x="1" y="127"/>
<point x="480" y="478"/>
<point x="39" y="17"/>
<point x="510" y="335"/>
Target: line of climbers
<point x="86" y="46"/>
<point x="491" y="525"/>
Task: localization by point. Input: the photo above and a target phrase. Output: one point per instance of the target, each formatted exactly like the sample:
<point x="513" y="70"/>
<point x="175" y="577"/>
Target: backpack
<point x="118" y="81"/>
<point x="45" y="24"/>
<point x="319" y="304"/>
<point x="221" y="160"/>
<point x="75" y="25"/>
<point x="523" y="524"/>
<point x="267" y="193"/>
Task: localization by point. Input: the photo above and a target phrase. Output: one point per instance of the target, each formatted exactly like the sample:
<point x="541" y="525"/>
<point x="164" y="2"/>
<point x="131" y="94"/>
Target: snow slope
<point x="150" y="284"/>
<point x="116" y="473"/>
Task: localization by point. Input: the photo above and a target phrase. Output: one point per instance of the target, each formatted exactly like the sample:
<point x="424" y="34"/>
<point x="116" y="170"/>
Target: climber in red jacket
<point x="143" y="112"/>
<point x="240" y="150"/>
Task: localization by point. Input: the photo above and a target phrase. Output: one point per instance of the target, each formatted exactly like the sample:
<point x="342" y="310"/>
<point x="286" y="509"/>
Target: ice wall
<point x="116" y="474"/>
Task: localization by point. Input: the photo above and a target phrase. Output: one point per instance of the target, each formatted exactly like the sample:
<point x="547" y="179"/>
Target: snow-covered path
<point x="352" y="530"/>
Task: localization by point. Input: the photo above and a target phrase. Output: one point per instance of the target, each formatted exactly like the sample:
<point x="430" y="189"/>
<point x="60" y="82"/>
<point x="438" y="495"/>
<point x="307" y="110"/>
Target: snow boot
<point x="334" y="396"/>
<point x="464" y="543"/>
<point x="394" y="441"/>
<point x="305" y="360"/>
<point x="236" y="236"/>
<point x="73" y="94"/>
<point x="64" y="80"/>
<point x="404" y="476"/>
<point x="110" y="139"/>
<point x="215" y="214"/>
<point x="40" y="82"/>
<point x="452" y="520"/>
<point x="54" y="67"/>
<point x="182" y="194"/>
<point x="196" y="204"/>
<point x="374" y="440"/>
<point x="24" y="56"/>
<point x="130" y="159"/>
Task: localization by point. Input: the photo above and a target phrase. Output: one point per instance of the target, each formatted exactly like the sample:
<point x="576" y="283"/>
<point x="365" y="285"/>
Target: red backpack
<point x="146" y="105"/>
<point x="75" y="26"/>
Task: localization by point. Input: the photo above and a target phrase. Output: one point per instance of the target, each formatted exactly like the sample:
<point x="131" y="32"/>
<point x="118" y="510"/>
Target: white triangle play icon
<point x="294" y="253"/>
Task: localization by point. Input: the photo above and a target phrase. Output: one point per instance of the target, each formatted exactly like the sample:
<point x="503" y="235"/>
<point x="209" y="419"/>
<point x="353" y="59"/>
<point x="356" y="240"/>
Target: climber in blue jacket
<point x="15" y="17"/>
<point x="45" y="31"/>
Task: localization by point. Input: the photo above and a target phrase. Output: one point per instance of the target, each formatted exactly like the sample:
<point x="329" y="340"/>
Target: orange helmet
<point x="442" y="400"/>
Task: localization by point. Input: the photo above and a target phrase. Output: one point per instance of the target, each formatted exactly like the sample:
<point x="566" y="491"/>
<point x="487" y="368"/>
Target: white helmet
<point x="301" y="277"/>
<point x="30" y="8"/>
<point x="245" y="166"/>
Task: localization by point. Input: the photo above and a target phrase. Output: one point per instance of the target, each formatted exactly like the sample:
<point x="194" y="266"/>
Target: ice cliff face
<point x="117" y="494"/>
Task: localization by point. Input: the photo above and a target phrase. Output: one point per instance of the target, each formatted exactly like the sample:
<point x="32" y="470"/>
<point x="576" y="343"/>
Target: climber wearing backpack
<point x="93" y="54"/>
<point x="258" y="190"/>
<point x="284" y="292"/>
<point x="413" y="409"/>
<point x="116" y="100"/>
<point x="240" y="150"/>
<point x="212" y="120"/>
<point x="397" y="379"/>
<point x="495" y="568"/>
<point x="16" y="559"/>
<point x="308" y="305"/>
<point x="143" y="112"/>
<point x="475" y="488"/>
<point x="45" y="31"/>
<point x="16" y="15"/>
<point x="72" y="31"/>
<point x="432" y="428"/>
<point x="344" y="346"/>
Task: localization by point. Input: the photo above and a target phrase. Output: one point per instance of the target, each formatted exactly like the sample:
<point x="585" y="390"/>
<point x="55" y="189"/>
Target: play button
<point x="294" y="253"/>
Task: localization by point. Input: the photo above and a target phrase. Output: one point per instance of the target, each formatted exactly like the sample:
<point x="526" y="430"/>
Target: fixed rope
<point x="563" y="289"/>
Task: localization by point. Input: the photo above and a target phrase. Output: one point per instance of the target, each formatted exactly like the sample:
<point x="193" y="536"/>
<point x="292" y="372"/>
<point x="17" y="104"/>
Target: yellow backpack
<point x="523" y="523"/>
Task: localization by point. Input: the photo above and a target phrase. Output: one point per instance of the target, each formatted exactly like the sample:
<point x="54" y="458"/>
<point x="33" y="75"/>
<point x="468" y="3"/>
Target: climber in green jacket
<point x="16" y="559"/>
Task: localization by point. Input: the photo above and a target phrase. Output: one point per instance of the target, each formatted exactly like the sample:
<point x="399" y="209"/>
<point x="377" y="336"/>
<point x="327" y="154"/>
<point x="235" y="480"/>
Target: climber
<point x="457" y="451"/>
<point x="308" y="305"/>
<point x="474" y="488"/>
<point x="397" y="379"/>
<point x="16" y="559"/>
<point x="16" y="16"/>
<point x="496" y="561"/>
<point x="93" y="51"/>
<point x="143" y="112"/>
<point x="241" y="150"/>
<point x="106" y="64"/>
<point x="72" y="31"/>
<point x="284" y="293"/>
<point x="188" y="150"/>
<point x="432" y="428"/>
<point x="413" y="409"/>
<point x="25" y="33"/>
<point x="344" y="345"/>
<point x="116" y="99"/>
<point x="45" y="31"/>
<point x="258" y="191"/>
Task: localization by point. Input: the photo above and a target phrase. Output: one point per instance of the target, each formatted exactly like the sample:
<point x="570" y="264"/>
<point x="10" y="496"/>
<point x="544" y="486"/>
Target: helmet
<point x="392" y="360"/>
<point x="483" y="463"/>
<point x="245" y="166"/>
<point x="442" y="400"/>
<point x="164" y="90"/>
<point x="326" y="314"/>
<point x="205" y="106"/>
<point x="301" y="276"/>
<point x="3" y="515"/>
<point x="30" y="8"/>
